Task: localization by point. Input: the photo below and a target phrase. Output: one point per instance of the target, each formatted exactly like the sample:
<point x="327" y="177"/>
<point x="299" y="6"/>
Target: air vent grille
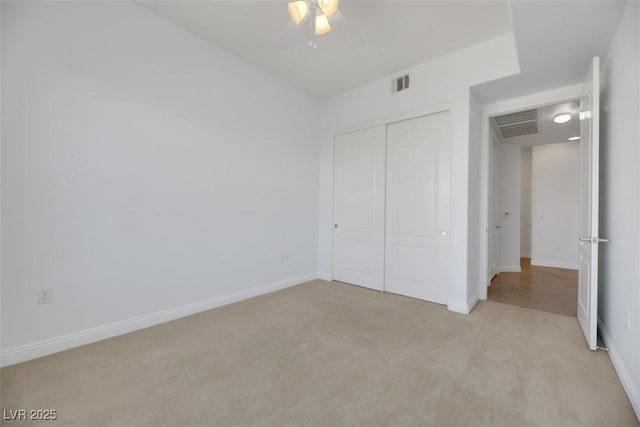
<point x="519" y="124"/>
<point x="400" y="84"/>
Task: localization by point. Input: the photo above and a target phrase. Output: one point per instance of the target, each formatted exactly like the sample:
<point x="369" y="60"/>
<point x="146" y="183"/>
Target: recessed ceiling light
<point x="562" y="118"/>
<point x="574" y="138"/>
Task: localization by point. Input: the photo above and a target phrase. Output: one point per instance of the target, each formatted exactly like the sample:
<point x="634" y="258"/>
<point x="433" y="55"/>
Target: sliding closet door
<point x="417" y="217"/>
<point x="358" y="234"/>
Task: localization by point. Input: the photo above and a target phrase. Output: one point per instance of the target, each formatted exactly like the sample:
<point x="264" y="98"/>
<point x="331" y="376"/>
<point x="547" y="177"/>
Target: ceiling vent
<point x="400" y="84"/>
<point x="519" y="124"/>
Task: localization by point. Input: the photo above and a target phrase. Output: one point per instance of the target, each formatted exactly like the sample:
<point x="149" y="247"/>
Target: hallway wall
<point x="555" y="181"/>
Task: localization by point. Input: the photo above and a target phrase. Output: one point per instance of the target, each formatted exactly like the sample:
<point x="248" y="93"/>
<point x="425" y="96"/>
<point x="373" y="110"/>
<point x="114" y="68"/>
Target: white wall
<point x="525" y="204"/>
<point x="475" y="225"/>
<point x="442" y="82"/>
<point x="510" y="167"/>
<point x="619" y="278"/>
<point x="555" y="181"/>
<point x="142" y="169"/>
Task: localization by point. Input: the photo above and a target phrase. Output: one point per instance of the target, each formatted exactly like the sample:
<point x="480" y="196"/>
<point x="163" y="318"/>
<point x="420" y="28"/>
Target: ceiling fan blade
<point x="344" y="35"/>
<point x="290" y="32"/>
<point x="338" y="20"/>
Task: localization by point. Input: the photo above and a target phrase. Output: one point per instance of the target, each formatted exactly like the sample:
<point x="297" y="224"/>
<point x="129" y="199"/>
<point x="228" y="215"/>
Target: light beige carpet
<point x="332" y="354"/>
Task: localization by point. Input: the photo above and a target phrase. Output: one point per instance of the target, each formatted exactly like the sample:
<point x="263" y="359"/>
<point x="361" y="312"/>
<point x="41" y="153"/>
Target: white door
<point x="589" y="199"/>
<point x="358" y="238"/>
<point x="494" y="207"/>
<point x="417" y="219"/>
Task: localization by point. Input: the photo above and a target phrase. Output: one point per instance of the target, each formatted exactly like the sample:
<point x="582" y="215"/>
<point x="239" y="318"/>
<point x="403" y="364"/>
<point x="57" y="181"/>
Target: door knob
<point x="498" y="227"/>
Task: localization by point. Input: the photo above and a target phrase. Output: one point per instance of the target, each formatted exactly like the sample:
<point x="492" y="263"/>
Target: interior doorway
<point x="534" y="208"/>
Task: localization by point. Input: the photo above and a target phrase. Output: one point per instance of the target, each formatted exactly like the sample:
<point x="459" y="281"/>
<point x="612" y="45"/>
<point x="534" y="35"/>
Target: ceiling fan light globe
<point x="322" y="25"/>
<point x="298" y="10"/>
<point x="329" y="7"/>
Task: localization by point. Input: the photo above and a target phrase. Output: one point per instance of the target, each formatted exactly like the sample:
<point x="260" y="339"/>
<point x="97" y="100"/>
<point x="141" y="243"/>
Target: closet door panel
<point x="359" y="177"/>
<point x="417" y="208"/>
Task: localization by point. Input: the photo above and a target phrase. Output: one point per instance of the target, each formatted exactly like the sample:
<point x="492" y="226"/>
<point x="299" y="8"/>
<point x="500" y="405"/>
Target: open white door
<point x="589" y="199"/>
<point x="358" y="238"/>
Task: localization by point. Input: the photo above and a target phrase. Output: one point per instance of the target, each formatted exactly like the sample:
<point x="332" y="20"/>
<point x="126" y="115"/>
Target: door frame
<point x="387" y="120"/>
<point x="542" y="99"/>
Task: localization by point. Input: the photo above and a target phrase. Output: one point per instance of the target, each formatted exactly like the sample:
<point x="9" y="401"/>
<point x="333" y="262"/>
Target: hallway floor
<point x="554" y="290"/>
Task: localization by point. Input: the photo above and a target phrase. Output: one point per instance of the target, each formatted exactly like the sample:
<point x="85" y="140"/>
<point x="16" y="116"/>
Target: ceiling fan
<point x="319" y="16"/>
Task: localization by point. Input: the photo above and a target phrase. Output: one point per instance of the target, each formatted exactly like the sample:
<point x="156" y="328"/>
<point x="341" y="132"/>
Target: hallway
<point x="554" y="290"/>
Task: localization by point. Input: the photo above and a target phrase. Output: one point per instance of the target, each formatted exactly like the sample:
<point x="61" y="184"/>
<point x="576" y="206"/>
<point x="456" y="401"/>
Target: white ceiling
<point x="556" y="41"/>
<point x="397" y="35"/>
<point x="551" y="132"/>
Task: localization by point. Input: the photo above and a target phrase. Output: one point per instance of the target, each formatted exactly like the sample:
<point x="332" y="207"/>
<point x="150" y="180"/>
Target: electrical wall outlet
<point x="45" y="296"/>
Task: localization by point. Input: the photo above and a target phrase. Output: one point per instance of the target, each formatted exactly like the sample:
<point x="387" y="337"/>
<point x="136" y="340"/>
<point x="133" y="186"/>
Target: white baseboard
<point x="509" y="269"/>
<point x="472" y="302"/>
<point x="553" y="264"/>
<point x="458" y="307"/>
<point x="325" y="276"/>
<point x="629" y="385"/>
<point x="527" y="255"/>
<point x="37" y="349"/>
